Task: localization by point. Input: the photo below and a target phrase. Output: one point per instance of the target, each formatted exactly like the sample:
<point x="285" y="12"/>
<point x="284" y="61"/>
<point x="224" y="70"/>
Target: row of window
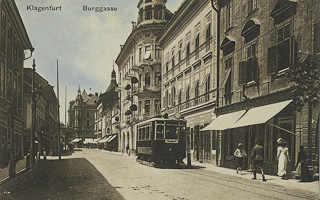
<point x="177" y="56"/>
<point x="150" y="12"/>
<point x="172" y="97"/>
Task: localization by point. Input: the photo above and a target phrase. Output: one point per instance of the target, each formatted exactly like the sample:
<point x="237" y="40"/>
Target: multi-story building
<point x="139" y="65"/>
<point x="189" y="67"/>
<point x="14" y="41"/>
<point x="107" y="117"/>
<point x="261" y="42"/>
<point x="81" y="113"/>
<point x="46" y="112"/>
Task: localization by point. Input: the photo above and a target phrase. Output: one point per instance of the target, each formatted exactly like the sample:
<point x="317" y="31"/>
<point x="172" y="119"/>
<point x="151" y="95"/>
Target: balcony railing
<point x="207" y="97"/>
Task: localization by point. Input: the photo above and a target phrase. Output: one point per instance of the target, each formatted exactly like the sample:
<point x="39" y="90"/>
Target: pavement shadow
<point x="60" y="179"/>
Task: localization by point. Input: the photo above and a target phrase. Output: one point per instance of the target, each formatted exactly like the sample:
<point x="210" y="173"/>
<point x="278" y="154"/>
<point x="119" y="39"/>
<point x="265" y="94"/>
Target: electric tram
<point x="161" y="141"/>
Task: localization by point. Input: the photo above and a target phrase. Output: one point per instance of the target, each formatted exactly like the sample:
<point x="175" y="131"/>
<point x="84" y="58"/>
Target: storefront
<point x="266" y="123"/>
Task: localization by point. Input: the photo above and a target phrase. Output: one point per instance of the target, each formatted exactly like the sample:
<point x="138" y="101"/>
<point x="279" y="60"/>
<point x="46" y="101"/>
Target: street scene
<point x="96" y="174"/>
<point x="159" y="99"/>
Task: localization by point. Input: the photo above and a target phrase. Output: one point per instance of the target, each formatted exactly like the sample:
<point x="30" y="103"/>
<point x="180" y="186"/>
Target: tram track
<point x="242" y="185"/>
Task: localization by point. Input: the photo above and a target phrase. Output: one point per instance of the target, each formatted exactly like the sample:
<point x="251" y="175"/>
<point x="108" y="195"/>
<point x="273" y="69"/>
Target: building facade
<point x="261" y="41"/>
<point x="14" y="41"/>
<point x="139" y="64"/>
<point x="46" y="117"/>
<point x="189" y="73"/>
<point x="107" y="117"/>
<point x="81" y="113"/>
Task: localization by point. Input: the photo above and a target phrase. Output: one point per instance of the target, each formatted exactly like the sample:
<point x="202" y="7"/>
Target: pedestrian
<point x="302" y="166"/>
<point x="127" y="148"/>
<point x="44" y="154"/>
<point x="283" y="157"/>
<point x="257" y="158"/>
<point x="240" y="154"/>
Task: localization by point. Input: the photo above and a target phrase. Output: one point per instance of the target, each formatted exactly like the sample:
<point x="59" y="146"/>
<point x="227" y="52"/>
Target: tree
<point x="306" y="90"/>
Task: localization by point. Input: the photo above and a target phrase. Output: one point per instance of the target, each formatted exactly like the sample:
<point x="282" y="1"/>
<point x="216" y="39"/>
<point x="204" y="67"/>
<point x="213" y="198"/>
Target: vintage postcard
<point x="159" y="99"/>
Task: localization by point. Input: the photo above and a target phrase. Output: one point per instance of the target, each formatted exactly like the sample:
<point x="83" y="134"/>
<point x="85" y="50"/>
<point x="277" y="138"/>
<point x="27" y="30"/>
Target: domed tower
<point x="153" y="11"/>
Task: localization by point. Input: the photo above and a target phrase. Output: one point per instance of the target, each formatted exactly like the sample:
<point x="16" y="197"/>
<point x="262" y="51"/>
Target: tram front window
<point x="172" y="132"/>
<point x="160" y="132"/>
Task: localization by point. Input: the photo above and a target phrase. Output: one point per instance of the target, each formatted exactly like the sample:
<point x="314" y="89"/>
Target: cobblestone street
<point x="95" y="174"/>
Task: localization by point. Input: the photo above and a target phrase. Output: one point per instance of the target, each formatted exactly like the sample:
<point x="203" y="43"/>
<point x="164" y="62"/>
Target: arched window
<point x="147" y="80"/>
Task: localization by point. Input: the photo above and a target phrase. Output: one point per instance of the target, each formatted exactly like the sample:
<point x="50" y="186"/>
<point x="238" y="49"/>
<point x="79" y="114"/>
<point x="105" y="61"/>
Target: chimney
<point x="121" y="47"/>
<point x="97" y="94"/>
<point x="134" y="24"/>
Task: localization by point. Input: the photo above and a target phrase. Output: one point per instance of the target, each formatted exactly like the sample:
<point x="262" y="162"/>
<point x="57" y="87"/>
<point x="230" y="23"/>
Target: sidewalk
<point x="275" y="180"/>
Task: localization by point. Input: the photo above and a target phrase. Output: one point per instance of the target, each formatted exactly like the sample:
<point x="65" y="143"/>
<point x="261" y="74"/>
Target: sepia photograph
<point x="159" y="99"/>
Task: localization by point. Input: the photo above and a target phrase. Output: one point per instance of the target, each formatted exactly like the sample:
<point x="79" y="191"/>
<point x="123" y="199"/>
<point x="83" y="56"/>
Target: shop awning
<point x="104" y="140"/>
<point x="76" y="140"/>
<point x="112" y="138"/>
<point x="223" y="122"/>
<point x="89" y="141"/>
<point x="261" y="114"/>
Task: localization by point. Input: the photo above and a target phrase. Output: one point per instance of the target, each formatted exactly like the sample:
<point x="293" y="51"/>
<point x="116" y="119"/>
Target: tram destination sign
<point x="172" y="141"/>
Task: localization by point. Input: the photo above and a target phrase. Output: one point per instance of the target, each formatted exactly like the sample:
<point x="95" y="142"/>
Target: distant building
<point x="139" y="65"/>
<point x="46" y="112"/>
<point x="82" y="114"/>
<point x="189" y="84"/>
<point x="107" y="117"/>
<point x="14" y="40"/>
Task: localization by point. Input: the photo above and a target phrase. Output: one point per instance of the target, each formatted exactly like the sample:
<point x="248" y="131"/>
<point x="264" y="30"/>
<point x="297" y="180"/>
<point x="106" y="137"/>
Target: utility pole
<point x="65" y="119"/>
<point x="33" y="126"/>
<point x="59" y="151"/>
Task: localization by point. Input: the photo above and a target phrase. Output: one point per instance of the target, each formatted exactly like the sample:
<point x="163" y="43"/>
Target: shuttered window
<point x="242" y="73"/>
<point x="317" y="38"/>
<point x="284" y="46"/>
<point x="272" y="59"/>
<point x="251" y="64"/>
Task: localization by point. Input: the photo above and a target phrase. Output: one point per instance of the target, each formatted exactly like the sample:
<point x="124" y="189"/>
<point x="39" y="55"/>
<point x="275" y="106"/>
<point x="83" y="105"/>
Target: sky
<point x="85" y="43"/>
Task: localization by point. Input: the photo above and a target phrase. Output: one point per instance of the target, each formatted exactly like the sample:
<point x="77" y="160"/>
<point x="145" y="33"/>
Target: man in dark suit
<point x="257" y="159"/>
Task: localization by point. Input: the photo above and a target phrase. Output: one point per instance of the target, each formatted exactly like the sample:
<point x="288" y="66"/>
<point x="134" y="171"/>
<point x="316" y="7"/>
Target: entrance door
<point x="196" y="141"/>
<point x="207" y="146"/>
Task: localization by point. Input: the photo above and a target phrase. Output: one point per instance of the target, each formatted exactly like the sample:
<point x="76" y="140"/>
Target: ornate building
<point x="82" y="114"/>
<point x="189" y="72"/>
<point x="139" y="65"/>
<point x="107" y="117"/>
<point x="261" y="43"/>
<point x="14" y="41"/>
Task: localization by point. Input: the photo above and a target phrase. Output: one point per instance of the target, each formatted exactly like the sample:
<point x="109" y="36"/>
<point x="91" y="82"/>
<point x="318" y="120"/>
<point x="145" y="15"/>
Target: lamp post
<point x="33" y="129"/>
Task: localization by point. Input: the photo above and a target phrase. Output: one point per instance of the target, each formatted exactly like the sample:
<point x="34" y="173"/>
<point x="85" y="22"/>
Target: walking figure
<point x="240" y="154"/>
<point x="257" y="158"/>
<point x="283" y="158"/>
<point x="302" y="166"/>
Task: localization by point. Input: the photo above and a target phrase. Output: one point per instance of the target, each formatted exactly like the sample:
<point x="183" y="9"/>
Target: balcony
<point x="147" y="90"/>
<point x="203" y="99"/>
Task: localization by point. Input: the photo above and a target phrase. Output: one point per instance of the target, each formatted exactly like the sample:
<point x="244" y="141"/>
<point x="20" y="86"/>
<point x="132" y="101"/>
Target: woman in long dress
<point x="283" y="158"/>
<point x="303" y="161"/>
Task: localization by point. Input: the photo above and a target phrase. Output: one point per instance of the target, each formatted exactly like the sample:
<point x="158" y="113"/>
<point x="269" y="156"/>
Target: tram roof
<point x="160" y="119"/>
